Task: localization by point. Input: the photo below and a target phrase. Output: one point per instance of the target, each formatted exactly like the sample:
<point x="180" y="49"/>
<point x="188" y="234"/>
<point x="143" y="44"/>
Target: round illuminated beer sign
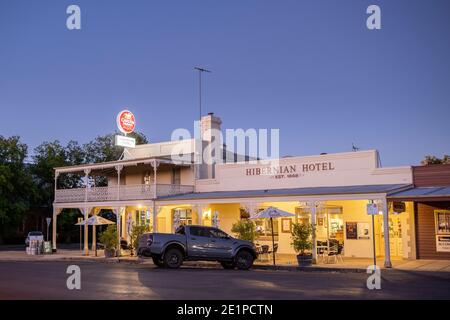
<point x="126" y="122"/>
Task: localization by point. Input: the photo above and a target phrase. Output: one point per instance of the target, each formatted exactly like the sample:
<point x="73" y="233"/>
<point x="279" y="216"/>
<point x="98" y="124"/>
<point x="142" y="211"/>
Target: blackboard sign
<point x="351" y="229"/>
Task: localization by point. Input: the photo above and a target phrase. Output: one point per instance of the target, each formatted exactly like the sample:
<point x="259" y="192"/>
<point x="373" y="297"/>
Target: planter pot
<point x="305" y="260"/>
<point x="110" y="253"/>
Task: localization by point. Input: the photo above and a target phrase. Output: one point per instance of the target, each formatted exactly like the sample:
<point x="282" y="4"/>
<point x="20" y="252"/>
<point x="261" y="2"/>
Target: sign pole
<point x="372" y="209"/>
<point x="373" y="241"/>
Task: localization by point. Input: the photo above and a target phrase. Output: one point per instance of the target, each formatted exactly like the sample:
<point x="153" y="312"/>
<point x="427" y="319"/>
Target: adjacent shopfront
<point x="430" y="199"/>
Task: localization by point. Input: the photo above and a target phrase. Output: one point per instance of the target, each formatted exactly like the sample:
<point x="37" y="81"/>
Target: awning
<point x="422" y="193"/>
<point x="314" y="191"/>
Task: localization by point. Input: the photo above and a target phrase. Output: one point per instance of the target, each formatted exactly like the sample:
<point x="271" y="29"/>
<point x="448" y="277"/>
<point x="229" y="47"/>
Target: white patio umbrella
<point x="95" y="221"/>
<point x="272" y="213"/>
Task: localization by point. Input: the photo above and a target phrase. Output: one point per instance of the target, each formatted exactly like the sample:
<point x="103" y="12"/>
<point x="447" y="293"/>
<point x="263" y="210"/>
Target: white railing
<point x="127" y="192"/>
<point x="164" y="190"/>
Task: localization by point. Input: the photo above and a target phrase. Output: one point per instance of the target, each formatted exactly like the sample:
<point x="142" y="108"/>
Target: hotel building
<point x="148" y="187"/>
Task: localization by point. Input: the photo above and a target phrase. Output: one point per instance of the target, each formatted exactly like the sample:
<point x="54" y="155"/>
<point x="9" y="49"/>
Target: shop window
<point x="142" y="218"/>
<point x="329" y="221"/>
<point x="184" y="216"/>
<point x="302" y="215"/>
<point x="264" y="229"/>
<point x="442" y="219"/>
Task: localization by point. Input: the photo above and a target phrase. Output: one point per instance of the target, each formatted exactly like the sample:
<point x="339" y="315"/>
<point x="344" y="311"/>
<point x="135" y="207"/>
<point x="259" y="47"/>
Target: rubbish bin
<point x="47" y="247"/>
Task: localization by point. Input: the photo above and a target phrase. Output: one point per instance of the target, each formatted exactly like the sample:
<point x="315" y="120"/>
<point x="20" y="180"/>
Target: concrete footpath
<point x="348" y="265"/>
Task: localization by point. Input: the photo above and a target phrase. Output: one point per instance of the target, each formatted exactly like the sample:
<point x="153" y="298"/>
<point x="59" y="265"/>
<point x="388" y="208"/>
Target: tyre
<point x="228" y="265"/>
<point x="244" y="260"/>
<point x="158" y="262"/>
<point x="173" y="258"/>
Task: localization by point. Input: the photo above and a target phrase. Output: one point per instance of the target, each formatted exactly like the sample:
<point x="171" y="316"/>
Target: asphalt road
<point x="47" y="280"/>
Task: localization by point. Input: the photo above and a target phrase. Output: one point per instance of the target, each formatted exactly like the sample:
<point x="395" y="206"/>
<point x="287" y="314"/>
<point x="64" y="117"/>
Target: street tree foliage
<point x="435" y="160"/>
<point x="24" y="186"/>
<point x="103" y="149"/>
<point x="16" y="186"/>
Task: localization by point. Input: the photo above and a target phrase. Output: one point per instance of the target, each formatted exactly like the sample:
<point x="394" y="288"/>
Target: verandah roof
<point x="424" y="193"/>
<point x="313" y="191"/>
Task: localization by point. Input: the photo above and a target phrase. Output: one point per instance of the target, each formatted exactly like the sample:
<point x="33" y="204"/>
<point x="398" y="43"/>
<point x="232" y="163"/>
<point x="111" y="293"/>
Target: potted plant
<point x="244" y="230"/>
<point x="301" y="241"/>
<point x="109" y="240"/>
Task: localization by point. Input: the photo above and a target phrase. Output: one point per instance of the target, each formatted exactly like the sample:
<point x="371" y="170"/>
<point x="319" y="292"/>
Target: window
<point x="199" y="232"/>
<point x="148" y="179"/>
<point x="142" y="218"/>
<point x="176" y="176"/>
<point x="180" y="230"/>
<point x="184" y="216"/>
<point x="263" y="227"/>
<point x="302" y="215"/>
<point x="442" y="219"/>
<point x="216" y="233"/>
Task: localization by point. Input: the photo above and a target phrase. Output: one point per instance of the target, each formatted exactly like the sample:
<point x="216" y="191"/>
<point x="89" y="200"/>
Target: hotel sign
<point x="289" y="171"/>
<point x="126" y="142"/>
<point x="126" y="122"/>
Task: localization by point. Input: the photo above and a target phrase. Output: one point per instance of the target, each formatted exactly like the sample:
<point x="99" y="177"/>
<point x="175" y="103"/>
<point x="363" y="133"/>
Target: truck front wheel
<point x="173" y="258"/>
<point x="244" y="260"/>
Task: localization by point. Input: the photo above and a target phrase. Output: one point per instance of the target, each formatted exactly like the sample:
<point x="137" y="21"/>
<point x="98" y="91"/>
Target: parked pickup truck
<point x="197" y="243"/>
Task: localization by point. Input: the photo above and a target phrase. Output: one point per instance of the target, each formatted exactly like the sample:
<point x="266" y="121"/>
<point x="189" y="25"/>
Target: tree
<point x="47" y="156"/>
<point x="16" y="187"/>
<point x="136" y="233"/>
<point x="103" y="148"/>
<point x="435" y="160"/>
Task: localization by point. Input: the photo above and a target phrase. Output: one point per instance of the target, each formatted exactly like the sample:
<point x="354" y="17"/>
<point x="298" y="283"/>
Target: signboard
<point x="127" y="142"/>
<point x="126" y="121"/>
<point x="48" y="221"/>
<point x="443" y="243"/>
<point x="372" y="209"/>
<point x="351" y="230"/>
<point x="363" y="230"/>
<point x="398" y="207"/>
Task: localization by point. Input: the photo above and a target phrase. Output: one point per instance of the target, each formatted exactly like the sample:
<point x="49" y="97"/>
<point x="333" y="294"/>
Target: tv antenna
<point x="200" y="71"/>
<point x="355" y="148"/>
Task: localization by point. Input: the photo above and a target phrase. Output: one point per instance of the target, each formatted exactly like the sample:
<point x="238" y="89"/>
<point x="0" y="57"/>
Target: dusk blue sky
<point x="310" y="68"/>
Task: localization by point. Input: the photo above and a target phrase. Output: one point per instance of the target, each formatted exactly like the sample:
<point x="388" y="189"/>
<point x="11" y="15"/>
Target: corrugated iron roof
<point x="422" y="192"/>
<point x="362" y="189"/>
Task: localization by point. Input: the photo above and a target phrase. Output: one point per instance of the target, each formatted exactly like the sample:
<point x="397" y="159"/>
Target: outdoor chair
<point x="263" y="253"/>
<point x="336" y="253"/>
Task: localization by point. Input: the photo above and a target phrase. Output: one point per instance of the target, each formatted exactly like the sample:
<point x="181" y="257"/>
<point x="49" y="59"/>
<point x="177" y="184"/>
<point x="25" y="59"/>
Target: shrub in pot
<point x="244" y="230"/>
<point x="136" y="233"/>
<point x="302" y="244"/>
<point x="109" y="240"/>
